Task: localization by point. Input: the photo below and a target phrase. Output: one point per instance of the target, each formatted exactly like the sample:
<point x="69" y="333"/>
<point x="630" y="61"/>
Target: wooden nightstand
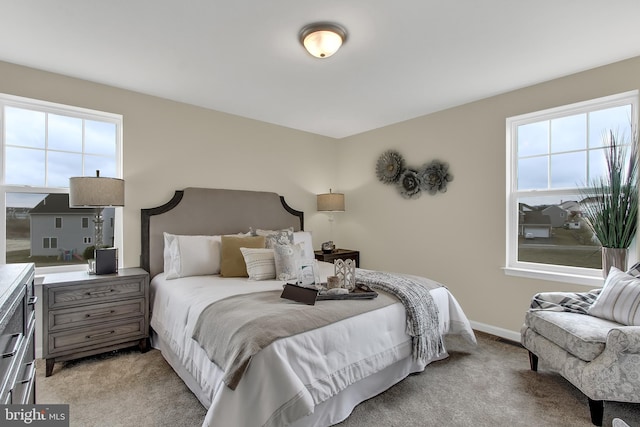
<point x="338" y="254"/>
<point x="84" y="314"/>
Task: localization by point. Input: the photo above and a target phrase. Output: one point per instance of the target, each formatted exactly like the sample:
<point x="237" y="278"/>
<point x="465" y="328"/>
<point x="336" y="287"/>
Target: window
<point x="42" y="145"/>
<point x="49" y="243"/>
<point x="87" y="240"/>
<point x="551" y="154"/>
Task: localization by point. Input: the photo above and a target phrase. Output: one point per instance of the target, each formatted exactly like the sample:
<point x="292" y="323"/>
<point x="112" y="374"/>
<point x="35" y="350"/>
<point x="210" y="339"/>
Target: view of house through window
<point x="43" y="145"/>
<point x="553" y="154"/>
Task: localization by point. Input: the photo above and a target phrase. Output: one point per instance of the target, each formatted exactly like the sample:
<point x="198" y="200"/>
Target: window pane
<point x="62" y="166"/>
<point x="551" y="231"/>
<point x="100" y="138"/>
<point x="106" y="166"/>
<point x="597" y="164"/>
<point x="533" y="139"/>
<point x="568" y="170"/>
<point x="569" y="133"/>
<point x="65" y="133"/>
<point x="24" y="128"/>
<point x="533" y="173"/>
<point x="617" y="119"/>
<point x="24" y="166"/>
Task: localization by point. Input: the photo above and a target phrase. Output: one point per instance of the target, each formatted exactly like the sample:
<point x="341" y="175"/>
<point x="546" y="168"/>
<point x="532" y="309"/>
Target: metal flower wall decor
<point x="411" y="182"/>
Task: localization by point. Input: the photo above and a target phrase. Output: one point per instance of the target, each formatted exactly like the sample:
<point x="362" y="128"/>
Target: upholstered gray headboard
<point x="208" y="211"/>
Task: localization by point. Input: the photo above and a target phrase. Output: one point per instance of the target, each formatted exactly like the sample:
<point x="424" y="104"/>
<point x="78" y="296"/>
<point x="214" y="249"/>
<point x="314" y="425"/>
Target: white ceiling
<point x="402" y="59"/>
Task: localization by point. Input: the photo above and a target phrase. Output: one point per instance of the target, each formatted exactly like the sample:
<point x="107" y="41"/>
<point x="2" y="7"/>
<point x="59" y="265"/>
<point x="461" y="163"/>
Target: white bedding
<point x="292" y="381"/>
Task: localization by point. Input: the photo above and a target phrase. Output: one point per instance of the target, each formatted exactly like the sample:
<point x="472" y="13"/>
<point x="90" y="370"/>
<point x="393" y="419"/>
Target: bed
<point x="314" y="378"/>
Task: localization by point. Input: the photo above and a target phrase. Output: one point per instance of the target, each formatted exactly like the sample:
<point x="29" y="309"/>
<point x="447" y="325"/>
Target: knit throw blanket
<point x="573" y="302"/>
<point x="422" y="312"/>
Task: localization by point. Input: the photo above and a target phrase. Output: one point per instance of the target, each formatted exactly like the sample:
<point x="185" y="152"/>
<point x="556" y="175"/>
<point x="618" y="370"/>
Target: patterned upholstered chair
<point x="585" y="338"/>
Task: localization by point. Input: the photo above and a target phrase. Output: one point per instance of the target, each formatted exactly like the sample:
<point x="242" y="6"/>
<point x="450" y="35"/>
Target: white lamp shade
<point x="95" y="191"/>
<point x="331" y="202"/>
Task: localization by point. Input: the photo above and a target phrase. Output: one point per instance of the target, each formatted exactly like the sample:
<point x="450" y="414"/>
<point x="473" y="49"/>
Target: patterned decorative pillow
<point x="276" y="237"/>
<point x="260" y="263"/>
<point x="619" y="300"/>
<point x="231" y="260"/>
<point x="287" y="258"/>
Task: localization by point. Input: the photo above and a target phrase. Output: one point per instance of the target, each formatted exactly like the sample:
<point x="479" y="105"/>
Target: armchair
<point x="600" y="356"/>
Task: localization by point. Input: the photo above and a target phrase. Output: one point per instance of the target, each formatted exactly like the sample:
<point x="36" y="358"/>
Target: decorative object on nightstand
<point x="98" y="192"/>
<point x="86" y="315"/>
<point x="339" y="254"/>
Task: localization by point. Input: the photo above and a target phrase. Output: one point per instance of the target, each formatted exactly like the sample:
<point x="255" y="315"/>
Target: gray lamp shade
<point x="93" y="191"/>
<point x="331" y="202"/>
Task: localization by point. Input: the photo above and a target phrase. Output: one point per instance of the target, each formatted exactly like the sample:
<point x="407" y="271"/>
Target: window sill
<point x="590" y="281"/>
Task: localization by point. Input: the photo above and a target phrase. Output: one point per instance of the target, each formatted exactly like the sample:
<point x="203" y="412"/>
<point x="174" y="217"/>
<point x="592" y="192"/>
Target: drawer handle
<point x="100" y="292"/>
<point x="99" y="314"/>
<point x="18" y="337"/>
<point x="31" y="373"/>
<point x="102" y="334"/>
<point x="32" y="300"/>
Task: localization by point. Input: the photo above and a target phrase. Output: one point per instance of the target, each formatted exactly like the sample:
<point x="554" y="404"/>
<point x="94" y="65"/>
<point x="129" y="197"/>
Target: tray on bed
<point x="309" y="296"/>
<point x="361" y="291"/>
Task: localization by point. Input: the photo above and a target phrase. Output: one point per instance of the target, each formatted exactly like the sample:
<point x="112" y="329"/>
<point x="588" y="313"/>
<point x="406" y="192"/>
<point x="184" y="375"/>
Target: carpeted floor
<point x="490" y="385"/>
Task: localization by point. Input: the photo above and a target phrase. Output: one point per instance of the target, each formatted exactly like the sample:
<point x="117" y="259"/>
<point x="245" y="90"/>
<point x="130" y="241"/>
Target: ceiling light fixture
<point x="322" y="39"/>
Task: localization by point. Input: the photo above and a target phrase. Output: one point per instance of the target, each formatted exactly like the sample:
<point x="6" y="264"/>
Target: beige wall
<point x="169" y="146"/>
<point x="457" y="237"/>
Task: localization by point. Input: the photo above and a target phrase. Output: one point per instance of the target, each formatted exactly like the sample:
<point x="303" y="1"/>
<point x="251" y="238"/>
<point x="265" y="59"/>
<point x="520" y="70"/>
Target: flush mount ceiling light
<point x="322" y="39"/>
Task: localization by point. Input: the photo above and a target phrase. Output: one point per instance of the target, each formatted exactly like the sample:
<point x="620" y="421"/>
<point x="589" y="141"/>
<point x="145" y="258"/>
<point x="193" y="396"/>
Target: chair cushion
<point x="581" y="335"/>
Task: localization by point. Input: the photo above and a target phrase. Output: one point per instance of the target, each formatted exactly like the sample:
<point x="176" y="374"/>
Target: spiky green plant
<point x="611" y="207"/>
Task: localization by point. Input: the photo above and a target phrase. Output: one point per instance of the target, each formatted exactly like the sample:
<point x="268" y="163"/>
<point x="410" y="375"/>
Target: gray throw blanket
<point x="573" y="302"/>
<point x="231" y="331"/>
<point x="422" y="312"/>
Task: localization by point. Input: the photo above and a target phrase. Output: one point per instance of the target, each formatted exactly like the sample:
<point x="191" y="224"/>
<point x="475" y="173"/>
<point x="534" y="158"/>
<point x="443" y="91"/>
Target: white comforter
<point x="288" y="379"/>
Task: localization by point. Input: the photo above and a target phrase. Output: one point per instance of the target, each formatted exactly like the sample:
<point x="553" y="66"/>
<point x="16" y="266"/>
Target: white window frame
<point x="67" y="110"/>
<point x="85" y="220"/>
<point x="559" y="273"/>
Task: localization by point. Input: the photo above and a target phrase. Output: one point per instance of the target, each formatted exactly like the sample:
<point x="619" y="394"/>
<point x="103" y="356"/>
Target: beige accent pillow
<point x="231" y="261"/>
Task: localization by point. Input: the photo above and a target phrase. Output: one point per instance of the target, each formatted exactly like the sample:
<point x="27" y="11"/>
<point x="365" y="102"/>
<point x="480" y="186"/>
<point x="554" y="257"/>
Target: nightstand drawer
<point x="98" y="313"/>
<point x="83" y="339"/>
<point x="64" y="296"/>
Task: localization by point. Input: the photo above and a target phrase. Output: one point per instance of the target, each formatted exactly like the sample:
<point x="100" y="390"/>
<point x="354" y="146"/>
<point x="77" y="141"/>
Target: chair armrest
<point x="624" y="339"/>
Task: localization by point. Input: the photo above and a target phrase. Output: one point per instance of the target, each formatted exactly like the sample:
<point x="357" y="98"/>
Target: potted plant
<point x="610" y="203"/>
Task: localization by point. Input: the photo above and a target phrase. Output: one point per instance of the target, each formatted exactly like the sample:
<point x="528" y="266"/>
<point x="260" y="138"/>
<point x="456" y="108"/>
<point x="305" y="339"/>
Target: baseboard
<point x="494" y="330"/>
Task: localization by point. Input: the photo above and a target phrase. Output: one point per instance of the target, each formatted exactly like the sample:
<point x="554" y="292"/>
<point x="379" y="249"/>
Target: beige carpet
<point x="490" y="385"/>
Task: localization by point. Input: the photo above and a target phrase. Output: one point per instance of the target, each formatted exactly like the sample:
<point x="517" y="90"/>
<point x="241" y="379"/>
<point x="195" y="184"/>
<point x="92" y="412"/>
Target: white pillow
<point x="191" y="255"/>
<point x="304" y="237"/>
<point x="260" y="263"/>
<point x="619" y="300"/>
<point x="287" y="258"/>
